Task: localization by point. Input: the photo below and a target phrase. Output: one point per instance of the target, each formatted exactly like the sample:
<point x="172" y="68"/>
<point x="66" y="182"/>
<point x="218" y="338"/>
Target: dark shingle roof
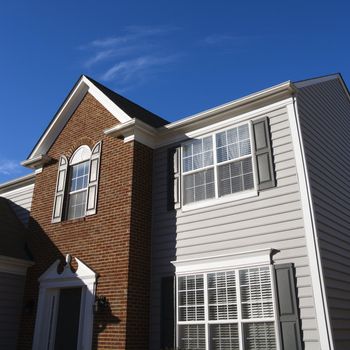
<point x="12" y="233"/>
<point x="131" y="108"/>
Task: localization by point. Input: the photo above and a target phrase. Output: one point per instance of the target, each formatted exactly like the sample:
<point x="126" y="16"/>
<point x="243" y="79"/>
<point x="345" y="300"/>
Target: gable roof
<point x="130" y="108"/>
<point x="12" y="233"/>
<point x="120" y="107"/>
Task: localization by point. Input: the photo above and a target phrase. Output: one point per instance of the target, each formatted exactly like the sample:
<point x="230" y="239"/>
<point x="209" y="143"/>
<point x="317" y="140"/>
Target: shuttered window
<point x="77" y="184"/>
<point x="223" y="164"/>
<point x="227" y="168"/>
<point x="231" y="309"/>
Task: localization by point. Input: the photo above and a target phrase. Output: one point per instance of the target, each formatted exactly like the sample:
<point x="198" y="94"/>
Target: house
<point x="228" y="229"/>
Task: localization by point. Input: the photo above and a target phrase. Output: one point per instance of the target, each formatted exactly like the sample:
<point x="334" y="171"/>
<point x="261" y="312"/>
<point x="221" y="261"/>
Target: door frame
<point x="51" y="281"/>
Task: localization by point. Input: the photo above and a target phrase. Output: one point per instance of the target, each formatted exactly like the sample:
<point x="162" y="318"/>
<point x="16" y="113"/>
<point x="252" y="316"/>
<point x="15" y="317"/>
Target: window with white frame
<point x="230" y="309"/>
<point x="77" y="184"/>
<point x="217" y="165"/>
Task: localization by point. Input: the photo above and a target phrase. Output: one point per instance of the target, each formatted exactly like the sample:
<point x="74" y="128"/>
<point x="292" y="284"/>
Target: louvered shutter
<point x="288" y="307"/>
<point x="91" y="201"/>
<point x="174" y="178"/>
<point x="263" y="154"/>
<point x="60" y="188"/>
<point x="167" y="310"/>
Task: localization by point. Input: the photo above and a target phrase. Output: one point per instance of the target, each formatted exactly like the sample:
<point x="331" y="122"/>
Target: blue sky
<point x="175" y="58"/>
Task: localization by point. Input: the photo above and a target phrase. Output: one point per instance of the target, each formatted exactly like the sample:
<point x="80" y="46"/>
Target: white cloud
<point x="126" y="70"/>
<point x="131" y="57"/>
<point x="8" y="167"/>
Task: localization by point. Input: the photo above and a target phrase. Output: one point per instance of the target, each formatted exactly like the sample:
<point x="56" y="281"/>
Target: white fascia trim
<point x="321" y="307"/>
<point x="197" y="132"/>
<point x="106" y="102"/>
<point x="227" y="261"/>
<point x="83" y="86"/>
<point x="18" y="183"/>
<point x="14" y="266"/>
<point x="134" y="130"/>
<point x="233" y="104"/>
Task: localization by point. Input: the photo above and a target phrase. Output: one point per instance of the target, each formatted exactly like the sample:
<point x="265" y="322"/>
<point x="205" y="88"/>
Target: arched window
<point x="79" y="165"/>
<point x="77" y="184"/>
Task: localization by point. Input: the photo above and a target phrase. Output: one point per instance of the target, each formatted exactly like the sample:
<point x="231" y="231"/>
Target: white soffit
<point x="82" y="87"/>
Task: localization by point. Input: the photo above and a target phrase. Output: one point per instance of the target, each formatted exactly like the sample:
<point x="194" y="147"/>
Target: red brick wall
<point x="115" y="242"/>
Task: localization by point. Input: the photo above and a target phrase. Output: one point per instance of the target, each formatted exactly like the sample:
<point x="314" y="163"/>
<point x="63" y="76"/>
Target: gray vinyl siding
<point x="21" y="201"/>
<point x="11" y="295"/>
<point x="273" y="219"/>
<point x="324" y="112"/>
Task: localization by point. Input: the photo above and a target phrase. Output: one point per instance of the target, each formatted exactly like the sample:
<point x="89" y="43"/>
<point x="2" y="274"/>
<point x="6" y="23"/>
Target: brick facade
<point x="115" y="242"/>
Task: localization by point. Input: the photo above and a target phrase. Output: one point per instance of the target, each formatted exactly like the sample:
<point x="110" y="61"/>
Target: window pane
<point x="76" y="205"/>
<point x="256" y="293"/>
<point x="243" y="132"/>
<point x="197" y="154"/>
<point x="191" y="298"/>
<point x="235" y="177"/>
<point x="224" y="337"/>
<point x="259" y="336"/>
<point x="192" y="337"/>
<point x="222" y="297"/>
<point x="232" y="144"/>
<point x="199" y="186"/>
<point x="79" y="176"/>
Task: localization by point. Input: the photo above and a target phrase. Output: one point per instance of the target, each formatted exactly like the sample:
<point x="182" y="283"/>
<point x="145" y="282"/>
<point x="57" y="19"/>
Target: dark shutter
<point x="174" y="178"/>
<point x="288" y="308"/>
<point x="94" y="173"/>
<point x="60" y="188"/>
<point x="263" y="154"/>
<point x="167" y="313"/>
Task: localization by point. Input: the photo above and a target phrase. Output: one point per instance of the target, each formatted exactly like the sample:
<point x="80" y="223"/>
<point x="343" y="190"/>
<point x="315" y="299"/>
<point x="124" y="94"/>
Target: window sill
<point x="72" y="221"/>
<point x="218" y="201"/>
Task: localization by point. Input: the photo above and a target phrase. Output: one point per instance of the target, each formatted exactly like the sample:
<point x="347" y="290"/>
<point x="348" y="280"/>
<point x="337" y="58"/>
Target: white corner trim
<point x="321" y="307"/>
<point x="217" y="262"/>
<point x="50" y="284"/>
<point x="14" y="266"/>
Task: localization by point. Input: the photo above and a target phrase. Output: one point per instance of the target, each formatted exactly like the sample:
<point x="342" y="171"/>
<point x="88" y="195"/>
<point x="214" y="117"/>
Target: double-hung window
<point x="235" y="162"/>
<point x="77" y="184"/>
<point x="218" y="165"/>
<point x="230" y="309"/>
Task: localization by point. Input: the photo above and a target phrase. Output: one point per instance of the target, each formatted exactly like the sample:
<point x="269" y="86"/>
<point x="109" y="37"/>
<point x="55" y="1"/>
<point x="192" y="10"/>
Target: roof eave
<point x="36" y="162"/>
<point x="260" y="95"/>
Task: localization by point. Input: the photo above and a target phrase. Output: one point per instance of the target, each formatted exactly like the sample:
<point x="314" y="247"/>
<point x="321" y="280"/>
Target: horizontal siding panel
<point x="273" y="219"/>
<point x="324" y="111"/>
<point x="21" y="201"/>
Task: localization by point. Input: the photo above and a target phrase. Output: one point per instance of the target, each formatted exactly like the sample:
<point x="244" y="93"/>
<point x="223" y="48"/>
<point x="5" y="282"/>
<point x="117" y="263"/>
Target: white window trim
<point x="50" y="284"/>
<point x="84" y="152"/>
<point x="229" y="197"/>
<point x="220" y="263"/>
